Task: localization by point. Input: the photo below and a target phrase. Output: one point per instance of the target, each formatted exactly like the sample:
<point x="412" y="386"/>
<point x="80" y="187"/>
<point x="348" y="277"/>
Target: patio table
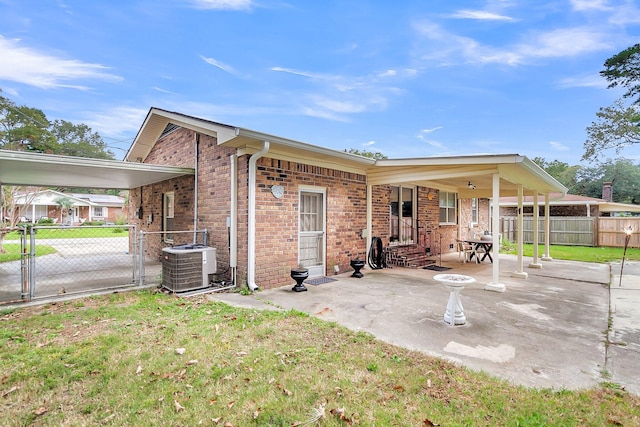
<point x="483" y="247"/>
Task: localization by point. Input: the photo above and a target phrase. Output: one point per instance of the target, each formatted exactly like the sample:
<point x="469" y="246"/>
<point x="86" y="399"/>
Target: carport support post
<point x="547" y="230"/>
<point x="520" y="236"/>
<point x="536" y="219"/>
<point x="495" y="284"/>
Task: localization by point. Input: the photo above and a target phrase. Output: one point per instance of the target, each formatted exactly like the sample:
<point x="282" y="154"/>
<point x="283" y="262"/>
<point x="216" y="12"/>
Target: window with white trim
<point x="99" y="211"/>
<point x="474" y="210"/>
<point x="447" y="207"/>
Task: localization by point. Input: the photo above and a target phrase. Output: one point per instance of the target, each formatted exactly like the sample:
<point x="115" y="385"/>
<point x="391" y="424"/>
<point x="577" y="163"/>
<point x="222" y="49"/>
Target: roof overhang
<point x="618" y="207"/>
<point x="445" y="173"/>
<point x="469" y="176"/>
<point x="245" y="141"/>
<point x="47" y="170"/>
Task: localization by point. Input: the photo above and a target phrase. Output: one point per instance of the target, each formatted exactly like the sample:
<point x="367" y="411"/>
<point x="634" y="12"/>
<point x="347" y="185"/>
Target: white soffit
<point x="47" y="170"/>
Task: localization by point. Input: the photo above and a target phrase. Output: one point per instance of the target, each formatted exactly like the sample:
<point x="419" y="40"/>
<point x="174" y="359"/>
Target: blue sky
<point x="405" y="78"/>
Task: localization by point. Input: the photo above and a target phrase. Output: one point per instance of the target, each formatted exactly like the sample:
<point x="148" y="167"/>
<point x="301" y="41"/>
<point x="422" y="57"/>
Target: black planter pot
<point x="357" y="265"/>
<point x="299" y="275"/>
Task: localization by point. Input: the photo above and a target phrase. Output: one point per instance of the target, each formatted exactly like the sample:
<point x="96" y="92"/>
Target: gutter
<point x="251" y="247"/>
<point x="233" y="219"/>
<point x="196" y="143"/>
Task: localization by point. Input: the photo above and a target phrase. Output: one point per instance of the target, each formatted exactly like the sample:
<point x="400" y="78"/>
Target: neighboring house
<point x="85" y="207"/>
<point x="271" y="203"/>
<point x="569" y="205"/>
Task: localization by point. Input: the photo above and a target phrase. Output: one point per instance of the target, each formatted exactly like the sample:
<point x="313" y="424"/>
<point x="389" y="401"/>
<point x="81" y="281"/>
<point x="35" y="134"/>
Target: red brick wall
<point x="277" y="219"/>
<point x="174" y="149"/>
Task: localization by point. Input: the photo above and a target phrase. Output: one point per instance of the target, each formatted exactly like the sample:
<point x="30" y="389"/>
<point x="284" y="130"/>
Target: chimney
<point x="607" y="192"/>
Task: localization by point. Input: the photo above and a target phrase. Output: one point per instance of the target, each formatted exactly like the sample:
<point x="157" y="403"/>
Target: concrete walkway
<point x="547" y="331"/>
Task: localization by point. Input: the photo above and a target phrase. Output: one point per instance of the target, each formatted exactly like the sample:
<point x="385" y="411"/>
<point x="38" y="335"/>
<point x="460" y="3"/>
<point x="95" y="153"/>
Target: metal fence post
<point x="32" y="262"/>
<point x="134" y="252"/>
<point x="141" y="259"/>
<point x="24" y="265"/>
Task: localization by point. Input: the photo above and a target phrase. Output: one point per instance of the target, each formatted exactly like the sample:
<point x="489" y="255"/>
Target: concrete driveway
<point x="550" y="330"/>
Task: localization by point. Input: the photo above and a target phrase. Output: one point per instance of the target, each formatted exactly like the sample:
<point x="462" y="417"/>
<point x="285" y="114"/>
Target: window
<point x="98" y="211"/>
<point x="402" y="214"/>
<point x="474" y="210"/>
<point x="447" y="208"/>
<point x="167" y="216"/>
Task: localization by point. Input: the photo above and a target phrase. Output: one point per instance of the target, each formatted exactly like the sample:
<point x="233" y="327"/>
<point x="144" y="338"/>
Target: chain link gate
<point x="14" y="287"/>
<point x="58" y="260"/>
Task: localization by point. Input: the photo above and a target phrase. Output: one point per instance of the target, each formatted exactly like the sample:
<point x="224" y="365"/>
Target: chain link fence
<point x="50" y="261"/>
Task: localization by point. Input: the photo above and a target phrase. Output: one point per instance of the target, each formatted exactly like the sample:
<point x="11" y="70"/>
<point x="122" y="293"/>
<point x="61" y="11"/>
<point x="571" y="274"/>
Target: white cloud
<point x="592" y="80"/>
<point x="224" y="67"/>
<point x="557" y="146"/>
<point x="308" y="74"/>
<point x="28" y="66"/>
<point x="422" y="136"/>
<point x="582" y="5"/>
<point x="163" y="90"/>
<point x="222" y="4"/>
<point x="424" y="131"/>
<point x="368" y="143"/>
<point x="480" y="15"/>
<point x="448" y="48"/>
<point x="566" y="42"/>
<point x="332" y="96"/>
<point x="117" y="121"/>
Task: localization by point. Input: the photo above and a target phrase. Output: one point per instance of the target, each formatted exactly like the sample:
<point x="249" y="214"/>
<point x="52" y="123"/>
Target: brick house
<point x="270" y="203"/>
<point x="84" y="207"/>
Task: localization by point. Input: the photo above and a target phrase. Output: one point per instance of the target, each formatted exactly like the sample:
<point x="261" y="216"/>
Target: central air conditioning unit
<point x="187" y="267"/>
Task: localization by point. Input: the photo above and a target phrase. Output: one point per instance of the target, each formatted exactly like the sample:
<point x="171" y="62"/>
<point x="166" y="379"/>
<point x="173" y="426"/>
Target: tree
<point x="617" y="126"/>
<point x="623" y="69"/>
<point x="561" y="171"/>
<point x="622" y="173"/>
<point x="24" y="128"/>
<point x="364" y="153"/>
<point x="79" y="140"/>
<point x="65" y="204"/>
<point x="11" y="198"/>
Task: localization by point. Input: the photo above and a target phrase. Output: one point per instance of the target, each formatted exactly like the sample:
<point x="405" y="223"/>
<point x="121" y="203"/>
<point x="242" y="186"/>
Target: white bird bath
<point x="454" y="314"/>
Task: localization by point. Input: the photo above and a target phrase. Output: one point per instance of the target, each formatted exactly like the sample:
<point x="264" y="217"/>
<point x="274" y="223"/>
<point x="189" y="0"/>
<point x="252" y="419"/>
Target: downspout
<point x="196" y="143"/>
<point x="233" y="218"/>
<point x="251" y="247"/>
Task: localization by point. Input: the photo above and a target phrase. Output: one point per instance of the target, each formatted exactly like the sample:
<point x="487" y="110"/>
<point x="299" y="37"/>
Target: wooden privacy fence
<point x="576" y="231"/>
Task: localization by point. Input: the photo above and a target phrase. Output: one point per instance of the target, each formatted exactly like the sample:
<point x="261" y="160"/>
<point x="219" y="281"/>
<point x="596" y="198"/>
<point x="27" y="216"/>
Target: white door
<point x="312" y="232"/>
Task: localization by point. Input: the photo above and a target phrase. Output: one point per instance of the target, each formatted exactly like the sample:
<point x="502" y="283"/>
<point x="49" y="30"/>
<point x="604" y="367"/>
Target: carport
<point x="478" y="176"/>
<point x="86" y="263"/>
<point x="48" y="170"/>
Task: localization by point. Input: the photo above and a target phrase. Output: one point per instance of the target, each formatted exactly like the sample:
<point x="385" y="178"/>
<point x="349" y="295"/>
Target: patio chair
<point x="464" y="251"/>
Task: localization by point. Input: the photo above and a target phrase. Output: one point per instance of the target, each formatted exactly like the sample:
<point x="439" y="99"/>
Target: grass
<point x="145" y="358"/>
<point x="74" y="233"/>
<point x="577" y="253"/>
<point x="13" y="251"/>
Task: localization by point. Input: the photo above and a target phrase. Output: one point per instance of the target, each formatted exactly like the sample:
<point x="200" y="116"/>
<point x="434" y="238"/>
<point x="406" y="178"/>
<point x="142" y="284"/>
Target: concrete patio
<point x="547" y="331"/>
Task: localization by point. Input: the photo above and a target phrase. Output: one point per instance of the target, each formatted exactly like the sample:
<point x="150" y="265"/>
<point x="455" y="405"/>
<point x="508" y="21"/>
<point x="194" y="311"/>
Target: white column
<point x="547" y="230"/>
<point x="520" y="236"/>
<point x="495" y="284"/>
<point x="536" y="218"/>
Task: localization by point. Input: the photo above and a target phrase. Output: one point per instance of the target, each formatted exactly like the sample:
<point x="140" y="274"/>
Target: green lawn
<point x="145" y="358"/>
<point x="577" y="253"/>
<point x="74" y="233"/>
<point x="13" y="251"/>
